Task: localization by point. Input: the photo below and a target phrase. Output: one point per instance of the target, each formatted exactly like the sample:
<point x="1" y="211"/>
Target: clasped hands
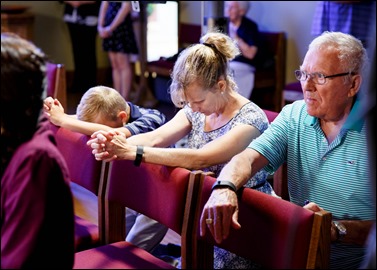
<point x="111" y="145"/>
<point x="54" y="110"/>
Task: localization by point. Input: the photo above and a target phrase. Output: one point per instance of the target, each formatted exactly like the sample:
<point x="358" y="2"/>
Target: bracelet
<point x="139" y="155"/>
<point x="223" y="184"/>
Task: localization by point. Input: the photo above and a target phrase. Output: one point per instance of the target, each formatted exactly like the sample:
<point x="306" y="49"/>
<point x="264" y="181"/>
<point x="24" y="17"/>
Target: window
<point x="162" y="29"/>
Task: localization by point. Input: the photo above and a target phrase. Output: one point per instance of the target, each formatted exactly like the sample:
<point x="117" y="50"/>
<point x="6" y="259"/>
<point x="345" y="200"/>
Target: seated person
<point x="246" y="33"/>
<point x="36" y="200"/>
<point x="323" y="139"/>
<point x="218" y="120"/>
<point x="104" y="108"/>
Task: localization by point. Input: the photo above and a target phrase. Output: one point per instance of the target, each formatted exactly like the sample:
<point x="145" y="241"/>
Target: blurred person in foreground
<point x="36" y="200"/>
<point x="325" y="150"/>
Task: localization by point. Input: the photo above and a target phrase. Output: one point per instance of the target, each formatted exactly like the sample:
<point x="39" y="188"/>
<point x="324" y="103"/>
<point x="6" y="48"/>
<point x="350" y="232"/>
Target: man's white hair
<point x="244" y="5"/>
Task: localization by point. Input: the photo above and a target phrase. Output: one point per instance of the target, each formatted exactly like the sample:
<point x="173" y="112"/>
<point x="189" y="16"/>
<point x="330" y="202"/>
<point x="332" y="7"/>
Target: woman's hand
<point x="104" y="32"/>
<point x="104" y="148"/>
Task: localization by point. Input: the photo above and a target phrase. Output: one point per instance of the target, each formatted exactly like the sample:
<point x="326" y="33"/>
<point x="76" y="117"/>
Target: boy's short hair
<point x="100" y="100"/>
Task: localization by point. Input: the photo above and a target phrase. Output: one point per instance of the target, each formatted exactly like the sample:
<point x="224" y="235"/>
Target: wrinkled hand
<point x="222" y="208"/>
<point x="107" y="145"/>
<point x="53" y="110"/>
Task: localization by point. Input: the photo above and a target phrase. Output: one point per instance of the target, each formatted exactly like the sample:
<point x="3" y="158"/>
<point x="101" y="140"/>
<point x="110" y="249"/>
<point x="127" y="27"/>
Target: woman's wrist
<point x="139" y="155"/>
<point x="108" y="29"/>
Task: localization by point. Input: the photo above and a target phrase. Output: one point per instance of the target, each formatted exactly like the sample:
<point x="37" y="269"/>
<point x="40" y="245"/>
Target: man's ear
<point x="356" y="81"/>
<point x="124" y="117"/>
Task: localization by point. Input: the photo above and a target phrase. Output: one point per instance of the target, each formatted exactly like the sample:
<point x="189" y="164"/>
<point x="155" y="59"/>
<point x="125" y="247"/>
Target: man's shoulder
<point x="247" y="22"/>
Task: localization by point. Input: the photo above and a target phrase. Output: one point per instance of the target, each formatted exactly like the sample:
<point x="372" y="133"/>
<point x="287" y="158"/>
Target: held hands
<point x="219" y="213"/>
<point x="104" y="32"/>
<point x="109" y="145"/>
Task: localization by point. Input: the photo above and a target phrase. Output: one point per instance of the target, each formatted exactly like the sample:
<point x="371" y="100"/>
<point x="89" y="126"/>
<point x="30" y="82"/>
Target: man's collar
<point x="355" y="119"/>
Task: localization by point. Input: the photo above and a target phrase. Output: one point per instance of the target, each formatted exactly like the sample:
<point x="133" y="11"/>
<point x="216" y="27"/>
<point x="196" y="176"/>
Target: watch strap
<point x="224" y="184"/>
<point x="139" y="155"/>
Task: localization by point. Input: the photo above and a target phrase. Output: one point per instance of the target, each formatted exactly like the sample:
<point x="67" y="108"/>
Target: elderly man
<point x="325" y="149"/>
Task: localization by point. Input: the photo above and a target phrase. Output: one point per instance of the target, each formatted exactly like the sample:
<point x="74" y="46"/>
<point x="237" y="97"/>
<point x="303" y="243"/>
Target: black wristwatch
<point x="341" y="230"/>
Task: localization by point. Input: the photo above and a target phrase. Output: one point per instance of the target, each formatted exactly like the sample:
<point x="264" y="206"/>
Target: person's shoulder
<point x="145" y="110"/>
<point x="296" y="112"/>
<point x="250" y="106"/>
<point x="139" y="113"/>
<point x="43" y="141"/>
<point x="39" y="151"/>
<point x="249" y="22"/>
<point x="252" y="110"/>
<point x="296" y="106"/>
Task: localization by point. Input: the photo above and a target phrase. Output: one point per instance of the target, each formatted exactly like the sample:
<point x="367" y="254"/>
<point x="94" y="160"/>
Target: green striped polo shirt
<point x="336" y="176"/>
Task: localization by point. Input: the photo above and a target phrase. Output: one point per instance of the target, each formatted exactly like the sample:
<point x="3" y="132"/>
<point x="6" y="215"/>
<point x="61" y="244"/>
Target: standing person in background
<point x="36" y="200"/>
<point x="245" y="32"/>
<point x="116" y="29"/>
<point x="350" y="17"/>
<point x="81" y="18"/>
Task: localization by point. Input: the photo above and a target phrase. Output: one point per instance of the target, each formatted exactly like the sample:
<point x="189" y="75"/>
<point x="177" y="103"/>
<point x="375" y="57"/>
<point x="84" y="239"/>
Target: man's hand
<point x="219" y="213"/>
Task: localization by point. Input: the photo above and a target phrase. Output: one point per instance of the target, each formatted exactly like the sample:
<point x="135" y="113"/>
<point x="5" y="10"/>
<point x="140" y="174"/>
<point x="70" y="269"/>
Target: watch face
<point x="341" y="229"/>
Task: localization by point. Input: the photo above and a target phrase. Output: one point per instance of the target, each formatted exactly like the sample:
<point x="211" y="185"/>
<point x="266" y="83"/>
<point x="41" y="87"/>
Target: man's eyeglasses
<point x="318" y="78"/>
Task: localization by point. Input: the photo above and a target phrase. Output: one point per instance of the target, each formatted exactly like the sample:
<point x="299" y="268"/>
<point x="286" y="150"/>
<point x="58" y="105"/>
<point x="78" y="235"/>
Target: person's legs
<point x="243" y="75"/>
<point x="83" y="39"/>
<point x="87" y="64"/>
<point x="145" y="233"/>
<point x="115" y="72"/>
<point x="130" y="219"/>
<point x="124" y="73"/>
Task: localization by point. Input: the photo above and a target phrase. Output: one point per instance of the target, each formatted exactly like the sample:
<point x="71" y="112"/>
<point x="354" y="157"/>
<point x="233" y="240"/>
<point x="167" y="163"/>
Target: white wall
<point x="51" y="33"/>
<point x="293" y="17"/>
